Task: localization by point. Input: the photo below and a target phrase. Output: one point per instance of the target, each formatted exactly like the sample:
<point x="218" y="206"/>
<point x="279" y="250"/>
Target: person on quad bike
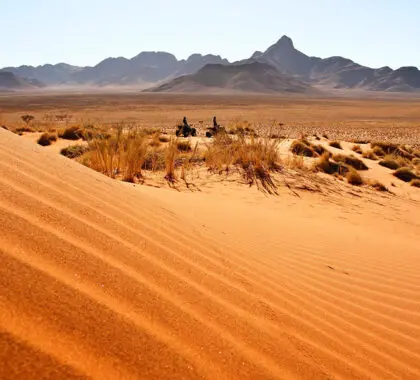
<point x="185" y="130"/>
<point x="213" y="131"/>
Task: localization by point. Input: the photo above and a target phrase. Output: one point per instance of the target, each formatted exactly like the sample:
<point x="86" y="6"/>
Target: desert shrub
<point x="4" y="127"/>
<point x="21" y="130"/>
<point x="164" y="138"/>
<point x="27" y="118"/>
<point x="253" y="158"/>
<point x="416" y="161"/>
<point x="360" y="141"/>
<point x="416" y="153"/>
<point x="324" y="164"/>
<point x="320" y="150"/>
<point x="405" y="174"/>
<point x="183" y="145"/>
<point x="350" y="161"/>
<point x="378" y="186"/>
<point x="154" y="160"/>
<point x="335" y="144"/>
<point x="121" y="155"/>
<point x="415" y="182"/>
<point x="155" y="141"/>
<point x="370" y="155"/>
<point x="46" y="139"/>
<point x="74" y="151"/>
<point x="302" y="148"/>
<point x="387" y="148"/>
<point x="170" y="157"/>
<point x="390" y="163"/>
<point x="71" y="133"/>
<point x="357" y="149"/>
<point x="325" y="136"/>
<point x="354" y="178"/>
<point x="378" y="151"/>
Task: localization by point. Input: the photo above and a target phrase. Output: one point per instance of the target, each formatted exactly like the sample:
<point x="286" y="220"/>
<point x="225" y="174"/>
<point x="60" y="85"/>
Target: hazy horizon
<point x="83" y="33"/>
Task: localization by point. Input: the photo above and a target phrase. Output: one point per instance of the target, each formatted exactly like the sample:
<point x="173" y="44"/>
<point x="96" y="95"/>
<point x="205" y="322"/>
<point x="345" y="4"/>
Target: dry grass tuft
<point x="390" y="163"/>
<point x="415" y="183"/>
<point x="72" y="133"/>
<point x="254" y="158"/>
<point x="302" y="148"/>
<point x="386" y="147"/>
<point x="379" y="186"/>
<point x="378" y="151"/>
<point x="74" y="151"/>
<point x="183" y="145"/>
<point x="46" y="139"/>
<point x="354" y="162"/>
<point x="336" y="144"/>
<point x="164" y="138"/>
<point x="405" y="174"/>
<point x="122" y="155"/>
<point x="357" y="149"/>
<point x="170" y="157"/>
<point x="370" y="155"/>
<point x="323" y="164"/>
<point x="354" y="178"/>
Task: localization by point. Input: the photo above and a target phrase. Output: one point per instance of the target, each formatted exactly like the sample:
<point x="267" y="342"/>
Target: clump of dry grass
<point x="405" y="174"/>
<point x="354" y="178"/>
<point x="390" y="163"/>
<point x="122" y="155"/>
<point x="378" y="151"/>
<point x="302" y="148"/>
<point x="370" y="155"/>
<point x="21" y="130"/>
<point x="379" y="186"/>
<point x="336" y="144"/>
<point x="350" y="161"/>
<point x="253" y="158"/>
<point x="416" y="161"/>
<point x="386" y="147"/>
<point x="46" y="139"/>
<point x="357" y="149"/>
<point x="415" y="183"/>
<point x="324" y="164"/>
<point x="170" y="157"/>
<point x="164" y="138"/>
<point x="183" y="145"/>
<point x="74" y="151"/>
<point x="71" y="133"/>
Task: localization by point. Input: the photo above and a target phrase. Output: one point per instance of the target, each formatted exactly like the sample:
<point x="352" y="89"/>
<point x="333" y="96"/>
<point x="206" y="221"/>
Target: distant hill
<point x="161" y="68"/>
<point x="248" y="77"/>
<point x="10" y="81"/>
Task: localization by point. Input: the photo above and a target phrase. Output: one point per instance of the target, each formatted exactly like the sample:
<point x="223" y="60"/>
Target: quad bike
<point x="185" y="131"/>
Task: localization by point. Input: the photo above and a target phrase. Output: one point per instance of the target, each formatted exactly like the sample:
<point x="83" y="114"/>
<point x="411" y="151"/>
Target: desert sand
<point x="110" y="280"/>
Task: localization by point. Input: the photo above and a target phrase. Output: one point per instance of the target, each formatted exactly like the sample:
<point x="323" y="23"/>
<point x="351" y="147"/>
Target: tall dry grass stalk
<point x="121" y="155"/>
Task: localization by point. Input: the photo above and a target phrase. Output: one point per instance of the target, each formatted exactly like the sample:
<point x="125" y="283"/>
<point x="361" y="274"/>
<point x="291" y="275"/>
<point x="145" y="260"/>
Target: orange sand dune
<point x="107" y="280"/>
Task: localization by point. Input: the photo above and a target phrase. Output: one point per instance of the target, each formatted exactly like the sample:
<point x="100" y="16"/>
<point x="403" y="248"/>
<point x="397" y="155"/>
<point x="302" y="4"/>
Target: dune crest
<point x="100" y="279"/>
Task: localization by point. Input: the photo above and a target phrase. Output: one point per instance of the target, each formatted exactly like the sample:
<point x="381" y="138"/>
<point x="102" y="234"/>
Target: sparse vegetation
<point x="354" y="178"/>
<point x="183" y="145"/>
<point x="46" y="139"/>
<point x="390" y="164"/>
<point x="350" y="161"/>
<point x="324" y="164"/>
<point x="379" y="186"/>
<point x="74" y="151"/>
<point x="370" y="155"/>
<point x="27" y="119"/>
<point x="378" y="151"/>
<point x="415" y="183"/>
<point x="357" y="149"/>
<point x="405" y="174"/>
<point x="336" y="144"/>
<point x="71" y="133"/>
<point x="164" y="138"/>
<point x="302" y="148"/>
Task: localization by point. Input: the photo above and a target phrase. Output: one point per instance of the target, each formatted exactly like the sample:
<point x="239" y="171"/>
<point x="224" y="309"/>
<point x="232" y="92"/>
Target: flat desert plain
<point x="106" y="279"/>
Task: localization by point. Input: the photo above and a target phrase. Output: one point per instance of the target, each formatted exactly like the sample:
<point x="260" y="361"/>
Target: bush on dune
<point x="405" y="174"/>
<point x="46" y="139"/>
<point x="350" y="161"/>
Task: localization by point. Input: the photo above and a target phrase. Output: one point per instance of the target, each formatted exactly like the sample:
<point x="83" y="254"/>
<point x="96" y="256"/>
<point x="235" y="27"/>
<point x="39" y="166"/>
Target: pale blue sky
<point x="83" y="32"/>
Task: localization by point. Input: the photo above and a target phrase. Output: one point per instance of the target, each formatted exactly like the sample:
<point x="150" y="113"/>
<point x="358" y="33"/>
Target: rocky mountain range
<point x="280" y="68"/>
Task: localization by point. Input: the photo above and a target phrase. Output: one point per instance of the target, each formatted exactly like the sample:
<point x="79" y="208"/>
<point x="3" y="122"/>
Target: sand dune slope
<point x="100" y="280"/>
